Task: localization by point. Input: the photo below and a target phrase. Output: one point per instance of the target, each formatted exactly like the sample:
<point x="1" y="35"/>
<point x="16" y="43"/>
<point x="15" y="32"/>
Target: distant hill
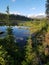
<point x="37" y="16"/>
<point x="14" y="17"/>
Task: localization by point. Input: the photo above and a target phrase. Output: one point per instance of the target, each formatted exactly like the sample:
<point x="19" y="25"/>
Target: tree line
<point x="14" y="17"/>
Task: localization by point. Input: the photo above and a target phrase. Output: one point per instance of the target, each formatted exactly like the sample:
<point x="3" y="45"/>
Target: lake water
<point x="20" y="33"/>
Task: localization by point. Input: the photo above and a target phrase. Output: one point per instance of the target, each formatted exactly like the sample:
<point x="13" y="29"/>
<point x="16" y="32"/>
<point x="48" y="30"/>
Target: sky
<point x="23" y="7"/>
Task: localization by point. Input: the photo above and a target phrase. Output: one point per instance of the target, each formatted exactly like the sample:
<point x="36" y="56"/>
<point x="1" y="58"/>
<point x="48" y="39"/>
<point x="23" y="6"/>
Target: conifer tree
<point x="7" y="21"/>
<point x="47" y="8"/>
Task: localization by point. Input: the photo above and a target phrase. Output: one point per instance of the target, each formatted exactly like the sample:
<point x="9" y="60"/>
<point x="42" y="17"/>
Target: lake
<point x="21" y="33"/>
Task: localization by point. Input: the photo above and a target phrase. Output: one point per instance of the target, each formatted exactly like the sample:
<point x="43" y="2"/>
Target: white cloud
<point x="34" y="15"/>
<point x="13" y="0"/>
<point x="29" y="15"/>
<point x="15" y="12"/>
<point x="41" y="14"/>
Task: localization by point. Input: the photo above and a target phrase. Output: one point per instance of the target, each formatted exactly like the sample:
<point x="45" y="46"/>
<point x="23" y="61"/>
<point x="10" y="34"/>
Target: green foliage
<point x="2" y="55"/>
<point x="47" y="8"/>
<point x="30" y="55"/>
<point x="7" y="10"/>
<point x="33" y="53"/>
<point x="7" y="18"/>
<point x="9" y="30"/>
<point x="10" y="47"/>
<point x="47" y="63"/>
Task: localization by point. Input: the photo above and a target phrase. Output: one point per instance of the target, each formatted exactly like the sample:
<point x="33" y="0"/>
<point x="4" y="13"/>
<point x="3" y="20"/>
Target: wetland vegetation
<point x="25" y="43"/>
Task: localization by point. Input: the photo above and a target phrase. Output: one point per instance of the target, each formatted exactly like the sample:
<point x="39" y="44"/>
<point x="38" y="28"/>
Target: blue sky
<point x="24" y="7"/>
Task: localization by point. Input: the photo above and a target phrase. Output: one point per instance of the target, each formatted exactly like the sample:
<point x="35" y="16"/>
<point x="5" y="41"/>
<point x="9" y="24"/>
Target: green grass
<point x="35" y="25"/>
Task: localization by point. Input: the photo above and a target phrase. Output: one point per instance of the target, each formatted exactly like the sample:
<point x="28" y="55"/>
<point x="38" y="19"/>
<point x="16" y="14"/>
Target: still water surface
<point x="20" y="33"/>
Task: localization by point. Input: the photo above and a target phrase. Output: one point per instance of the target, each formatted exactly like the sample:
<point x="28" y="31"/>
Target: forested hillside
<point x="14" y="17"/>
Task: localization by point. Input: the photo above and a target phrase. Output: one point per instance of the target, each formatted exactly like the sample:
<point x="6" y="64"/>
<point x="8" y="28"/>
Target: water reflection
<point x="20" y="33"/>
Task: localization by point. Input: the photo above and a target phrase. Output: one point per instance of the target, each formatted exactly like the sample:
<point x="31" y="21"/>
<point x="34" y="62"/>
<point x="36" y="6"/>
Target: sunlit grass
<point x="34" y="25"/>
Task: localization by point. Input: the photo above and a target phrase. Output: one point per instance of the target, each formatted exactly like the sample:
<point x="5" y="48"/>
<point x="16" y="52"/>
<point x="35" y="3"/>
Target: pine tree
<point x="47" y="8"/>
<point x="7" y="21"/>
<point x="30" y="55"/>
